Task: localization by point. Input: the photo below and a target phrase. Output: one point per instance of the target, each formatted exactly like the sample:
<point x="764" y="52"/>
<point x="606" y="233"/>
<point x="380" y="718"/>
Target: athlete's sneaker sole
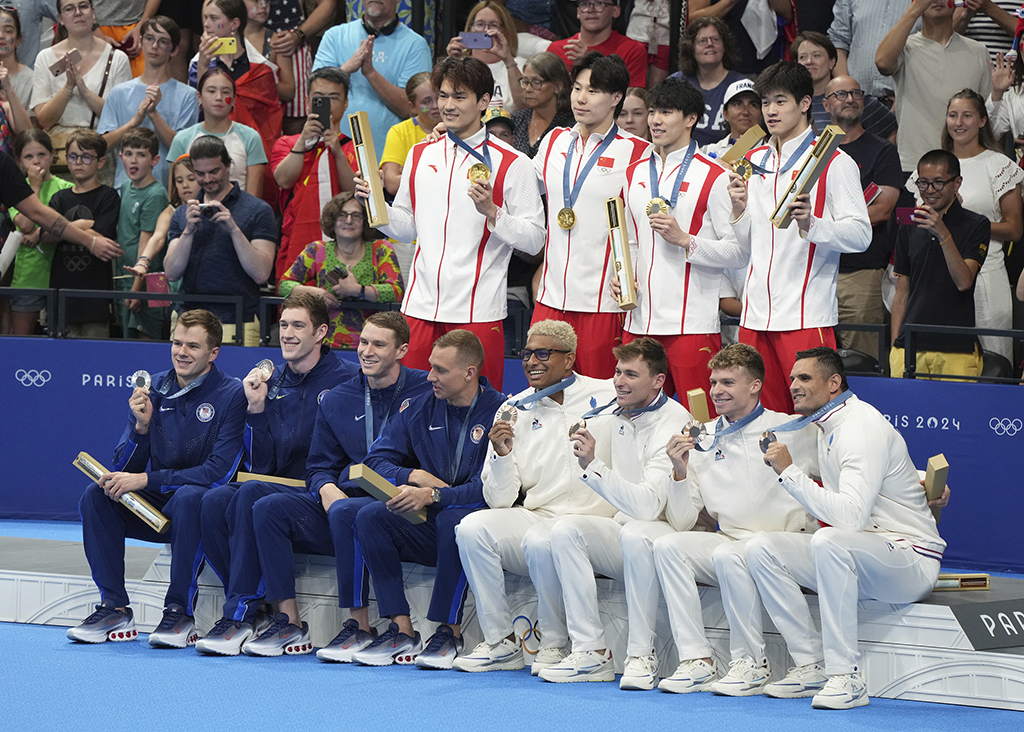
<point x="117" y="636"/>
<point x="190" y="640"/>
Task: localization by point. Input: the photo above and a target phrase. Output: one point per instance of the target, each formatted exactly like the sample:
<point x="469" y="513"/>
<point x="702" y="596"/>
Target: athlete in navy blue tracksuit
<point x="444" y="435"/>
<point x="184" y="436"/>
<point x="344" y="427"/>
<point x="279" y="424"/>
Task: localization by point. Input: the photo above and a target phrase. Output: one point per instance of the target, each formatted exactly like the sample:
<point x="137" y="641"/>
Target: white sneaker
<point x="581" y="666"/>
<point x="743" y="679"/>
<point x="842" y="691"/>
<point x="799" y="682"/>
<point x="547" y="657"/>
<point x="693" y="675"/>
<point x="505" y="655"/>
<point x="640" y="673"/>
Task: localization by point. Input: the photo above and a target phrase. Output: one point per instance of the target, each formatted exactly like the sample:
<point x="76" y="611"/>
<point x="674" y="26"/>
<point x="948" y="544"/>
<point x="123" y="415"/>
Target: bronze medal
<point x="577" y="426"/>
<point x="695" y="430"/>
<point x="657" y="206"/>
<point x="479" y="171"/>
<point x="767" y="438"/>
<point x="566" y="218"/>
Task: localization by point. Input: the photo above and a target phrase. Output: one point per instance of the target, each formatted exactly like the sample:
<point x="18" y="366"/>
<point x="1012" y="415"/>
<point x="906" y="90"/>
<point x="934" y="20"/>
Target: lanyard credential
<point x="368" y="408"/>
<point x="677" y="186"/>
<point x="734" y="427"/>
<point x="453" y="468"/>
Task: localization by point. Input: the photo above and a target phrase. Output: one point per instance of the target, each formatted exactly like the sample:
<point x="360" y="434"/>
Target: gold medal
<point x="266" y="369"/>
<point x="507" y="413"/>
<point x="577" y="426"/>
<point x="141" y="379"/>
<point x="657" y="206"/>
<point x="479" y="171"/>
<point x="743" y="168"/>
<point x="566" y="218"/>
<point x="695" y="430"/>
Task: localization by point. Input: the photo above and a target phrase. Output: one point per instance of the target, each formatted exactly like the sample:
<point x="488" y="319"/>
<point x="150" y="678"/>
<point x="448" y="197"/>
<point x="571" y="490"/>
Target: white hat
<point x="738" y="87"/>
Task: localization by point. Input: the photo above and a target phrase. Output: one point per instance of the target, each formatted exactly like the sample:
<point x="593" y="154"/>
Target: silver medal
<point x="142" y="380"/>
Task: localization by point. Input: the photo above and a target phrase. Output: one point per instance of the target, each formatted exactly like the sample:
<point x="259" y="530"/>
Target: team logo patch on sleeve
<point x="321" y="395"/>
<point x="405" y="405"/>
<point x="477" y="434"/>
<point x="205" y="412"/>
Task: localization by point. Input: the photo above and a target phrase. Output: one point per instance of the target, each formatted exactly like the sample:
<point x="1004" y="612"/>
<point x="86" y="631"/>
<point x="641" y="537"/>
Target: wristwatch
<point x="437" y="495"/>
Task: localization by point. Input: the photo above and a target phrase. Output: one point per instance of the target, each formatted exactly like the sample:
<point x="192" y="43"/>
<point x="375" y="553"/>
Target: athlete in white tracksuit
<point x="535" y="464"/>
<point x="633" y="480"/>
<point x="881" y="541"/>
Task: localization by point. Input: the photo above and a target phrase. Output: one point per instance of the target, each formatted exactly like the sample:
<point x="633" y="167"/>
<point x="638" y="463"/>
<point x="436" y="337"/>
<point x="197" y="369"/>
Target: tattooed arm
<point x="57" y="226"/>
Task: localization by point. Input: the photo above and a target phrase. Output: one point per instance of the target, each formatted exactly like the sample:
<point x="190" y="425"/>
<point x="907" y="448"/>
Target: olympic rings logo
<point x="32" y="377"/>
<point x="77" y="264"/>
<point x="1005" y="426"/>
<point x="531" y="632"/>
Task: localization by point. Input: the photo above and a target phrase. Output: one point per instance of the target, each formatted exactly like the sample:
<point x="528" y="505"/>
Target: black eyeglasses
<point x="542" y="354"/>
<point x="85" y="158"/>
<point x="842" y="94"/>
<point x="935" y="185"/>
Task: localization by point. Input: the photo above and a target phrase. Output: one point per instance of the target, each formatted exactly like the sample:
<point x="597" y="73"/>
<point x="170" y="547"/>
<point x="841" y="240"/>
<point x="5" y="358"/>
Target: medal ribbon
<point x="163" y="388"/>
<point x="570" y="196"/>
<point x="734" y="427"/>
<point x="761" y="170"/>
<point x="528" y="401"/>
<point x="368" y="408"/>
<point x="597" y="412"/>
<point x="799" y="424"/>
<point x="484" y="158"/>
<point x="453" y="468"/>
<point x="678" y="185"/>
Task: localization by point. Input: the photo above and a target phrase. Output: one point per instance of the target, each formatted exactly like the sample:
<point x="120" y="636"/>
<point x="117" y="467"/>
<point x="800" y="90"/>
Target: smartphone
<point x="60" y="65"/>
<point x="321" y="107"/>
<point x="476" y="40"/>
<point x="905" y="216"/>
<point x="227" y="45"/>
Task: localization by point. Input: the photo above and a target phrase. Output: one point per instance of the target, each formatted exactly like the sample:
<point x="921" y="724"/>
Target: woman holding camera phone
<point x="493" y="20"/>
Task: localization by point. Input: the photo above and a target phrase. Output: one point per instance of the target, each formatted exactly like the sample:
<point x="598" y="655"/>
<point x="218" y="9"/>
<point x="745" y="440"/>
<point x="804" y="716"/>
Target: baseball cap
<point x="738" y="87"/>
<point x="498" y="114"/>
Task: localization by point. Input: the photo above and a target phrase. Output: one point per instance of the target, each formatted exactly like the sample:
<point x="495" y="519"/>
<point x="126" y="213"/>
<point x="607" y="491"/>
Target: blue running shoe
<point x="107" y="623"/>
<point x="176" y="630"/>
<point x="441" y="650"/>
<point x="349" y="641"/>
<point x="282" y="637"/>
<point x="391" y="646"/>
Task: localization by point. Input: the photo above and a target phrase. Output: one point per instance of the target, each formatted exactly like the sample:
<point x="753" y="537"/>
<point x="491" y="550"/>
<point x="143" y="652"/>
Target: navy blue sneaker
<point x="348" y="642"/>
<point x="176" y="630"/>
<point x="441" y="650"/>
<point x="282" y="637"/>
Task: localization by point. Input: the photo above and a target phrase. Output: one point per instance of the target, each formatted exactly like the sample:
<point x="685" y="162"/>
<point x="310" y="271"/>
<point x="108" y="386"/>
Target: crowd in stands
<point x="189" y="142"/>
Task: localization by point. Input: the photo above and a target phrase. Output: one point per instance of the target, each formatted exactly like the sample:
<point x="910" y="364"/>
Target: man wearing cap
<point x="499" y="124"/>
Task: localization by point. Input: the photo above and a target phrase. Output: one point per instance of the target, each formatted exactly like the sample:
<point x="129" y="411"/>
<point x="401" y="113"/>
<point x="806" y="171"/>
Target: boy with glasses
<point x="153" y="100"/>
<point x="596" y="34"/>
<point x="938" y="257"/>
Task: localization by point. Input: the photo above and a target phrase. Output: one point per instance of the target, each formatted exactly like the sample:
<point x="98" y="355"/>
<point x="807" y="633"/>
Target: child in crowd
<point x="257" y="34"/>
<point x="142" y="201"/>
<point x="216" y="95"/>
<point x="401" y="137"/>
<point x="97" y="206"/>
<point x="34" y="153"/>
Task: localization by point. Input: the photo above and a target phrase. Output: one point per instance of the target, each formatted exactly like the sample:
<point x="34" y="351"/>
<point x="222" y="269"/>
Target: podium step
<point x="912" y="652"/>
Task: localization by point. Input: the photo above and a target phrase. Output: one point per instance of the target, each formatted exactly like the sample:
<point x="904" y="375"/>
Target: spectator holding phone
<point x="354" y="267"/>
<point x="313" y="166"/>
<point x="73" y="77"/>
<point x="497" y="50"/>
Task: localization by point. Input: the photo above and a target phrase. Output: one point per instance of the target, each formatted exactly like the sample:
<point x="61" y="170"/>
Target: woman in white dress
<point x="991" y="187"/>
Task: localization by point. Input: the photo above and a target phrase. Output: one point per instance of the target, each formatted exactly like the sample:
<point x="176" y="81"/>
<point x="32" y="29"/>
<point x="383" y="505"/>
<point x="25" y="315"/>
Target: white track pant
<point x="643" y="593"/>
<point x="689" y="557"/>
<point x="562" y="567"/>
<point x="489" y="543"/>
<point x="841" y="566"/>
